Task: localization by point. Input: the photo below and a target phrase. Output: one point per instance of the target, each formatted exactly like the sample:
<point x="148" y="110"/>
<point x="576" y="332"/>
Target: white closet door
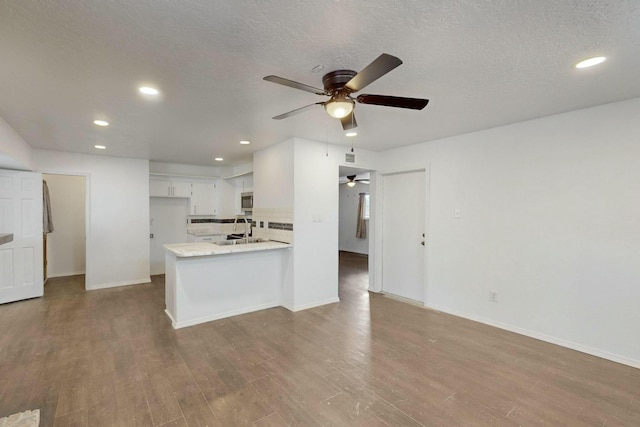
<point x="21" y="214"/>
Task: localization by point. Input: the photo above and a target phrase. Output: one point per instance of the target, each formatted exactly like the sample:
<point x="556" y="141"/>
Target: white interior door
<point x="403" y="225"/>
<point x="168" y="225"/>
<point x="21" y="214"/>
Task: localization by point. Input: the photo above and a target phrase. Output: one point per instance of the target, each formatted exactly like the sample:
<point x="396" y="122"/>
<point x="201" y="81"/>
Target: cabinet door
<point x="181" y="189"/>
<point x="159" y="188"/>
<point x="203" y="198"/>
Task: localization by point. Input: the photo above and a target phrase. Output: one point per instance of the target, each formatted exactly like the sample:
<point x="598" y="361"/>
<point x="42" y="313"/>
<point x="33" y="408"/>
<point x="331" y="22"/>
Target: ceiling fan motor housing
<point x="336" y="80"/>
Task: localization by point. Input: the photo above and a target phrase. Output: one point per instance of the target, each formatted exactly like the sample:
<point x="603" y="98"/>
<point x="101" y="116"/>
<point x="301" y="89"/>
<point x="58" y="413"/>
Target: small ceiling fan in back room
<point x="340" y="85"/>
<point x="351" y="180"/>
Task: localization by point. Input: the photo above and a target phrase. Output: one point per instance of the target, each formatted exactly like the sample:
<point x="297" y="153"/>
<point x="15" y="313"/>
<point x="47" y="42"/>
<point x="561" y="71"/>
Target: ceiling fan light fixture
<point x="351" y="184"/>
<point x="339" y="108"/>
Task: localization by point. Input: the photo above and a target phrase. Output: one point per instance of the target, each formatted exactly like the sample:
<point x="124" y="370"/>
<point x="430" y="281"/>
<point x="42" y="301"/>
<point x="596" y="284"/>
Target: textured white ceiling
<point x="482" y="64"/>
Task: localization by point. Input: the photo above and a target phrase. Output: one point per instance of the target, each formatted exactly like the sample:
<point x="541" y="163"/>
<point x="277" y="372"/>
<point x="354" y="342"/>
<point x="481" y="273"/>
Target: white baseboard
<point x="117" y="284"/>
<point x="542" y="337"/>
<point x="72" y="273"/>
<point x="315" y="304"/>
<point x="203" y="319"/>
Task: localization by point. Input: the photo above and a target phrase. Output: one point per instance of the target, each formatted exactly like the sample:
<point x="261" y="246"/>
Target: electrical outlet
<point x="493" y="296"/>
<point x="457" y="213"/>
<point x="151" y="235"/>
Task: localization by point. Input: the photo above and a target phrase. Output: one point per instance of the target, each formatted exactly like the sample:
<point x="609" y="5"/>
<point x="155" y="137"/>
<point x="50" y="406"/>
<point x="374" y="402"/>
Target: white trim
<point x="314" y="304"/>
<point x="238" y="175"/>
<point x="203" y="319"/>
<point x="543" y="337"/>
<point x="71" y="273"/>
<point x="170" y="175"/>
<point x="116" y="284"/>
<point x="402" y="299"/>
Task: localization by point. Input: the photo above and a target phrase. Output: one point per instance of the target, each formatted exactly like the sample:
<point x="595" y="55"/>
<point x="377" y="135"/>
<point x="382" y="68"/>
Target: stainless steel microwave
<point x="246" y="201"/>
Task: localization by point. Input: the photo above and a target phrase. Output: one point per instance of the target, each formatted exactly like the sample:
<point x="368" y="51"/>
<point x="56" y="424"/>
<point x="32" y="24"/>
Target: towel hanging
<point x="47" y="221"/>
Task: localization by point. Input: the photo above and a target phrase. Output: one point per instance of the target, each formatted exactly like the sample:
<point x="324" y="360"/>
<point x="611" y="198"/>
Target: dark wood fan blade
<point x="372" y="72"/>
<point x="393" y="101"/>
<point x="295" y="85"/>
<point x="296" y="111"/>
<point x="349" y="122"/>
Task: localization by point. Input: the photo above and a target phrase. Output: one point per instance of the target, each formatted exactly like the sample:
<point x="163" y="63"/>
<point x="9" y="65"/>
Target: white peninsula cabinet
<point x="203" y="198"/>
<point x="207" y="281"/>
<point x="166" y="188"/>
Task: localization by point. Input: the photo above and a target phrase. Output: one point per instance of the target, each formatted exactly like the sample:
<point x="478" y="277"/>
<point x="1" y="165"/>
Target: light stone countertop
<point x="185" y="250"/>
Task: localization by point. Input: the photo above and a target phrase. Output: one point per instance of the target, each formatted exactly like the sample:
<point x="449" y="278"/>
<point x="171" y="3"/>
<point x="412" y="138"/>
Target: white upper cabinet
<point x="203" y="198"/>
<point x="166" y="188"/>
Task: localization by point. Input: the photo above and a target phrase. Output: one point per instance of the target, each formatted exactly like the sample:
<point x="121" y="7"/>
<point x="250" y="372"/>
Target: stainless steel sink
<point x="240" y="241"/>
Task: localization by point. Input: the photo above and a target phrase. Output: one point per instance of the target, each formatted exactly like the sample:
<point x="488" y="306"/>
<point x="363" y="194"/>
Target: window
<point x="366" y="205"/>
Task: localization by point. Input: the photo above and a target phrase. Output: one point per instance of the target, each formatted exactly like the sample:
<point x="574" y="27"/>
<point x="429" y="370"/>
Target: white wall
<point x="15" y="153"/>
<point x="66" y="244"/>
<point x="550" y="221"/>
<point x="273" y="189"/>
<point x="348" y="221"/>
<point x="187" y="170"/>
<point x="302" y="175"/>
<point x="118" y="214"/>
<point x="273" y="176"/>
<point x="315" y="225"/>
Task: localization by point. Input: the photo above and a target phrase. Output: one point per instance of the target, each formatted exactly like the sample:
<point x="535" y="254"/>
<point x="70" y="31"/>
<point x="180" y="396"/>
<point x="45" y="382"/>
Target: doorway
<point x="403" y="235"/>
<point x="353" y="229"/>
<point x="65" y="247"/>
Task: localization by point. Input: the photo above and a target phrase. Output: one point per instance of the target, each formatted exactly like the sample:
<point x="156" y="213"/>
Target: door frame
<point x="87" y="216"/>
<point x="376" y="242"/>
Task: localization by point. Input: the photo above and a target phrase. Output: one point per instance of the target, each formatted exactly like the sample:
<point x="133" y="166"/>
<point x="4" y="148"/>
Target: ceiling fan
<point x="339" y="85"/>
<point x="351" y="180"/>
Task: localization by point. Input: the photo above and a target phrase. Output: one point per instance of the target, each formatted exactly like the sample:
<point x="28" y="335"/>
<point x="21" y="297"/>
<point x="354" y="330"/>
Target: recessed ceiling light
<point x="591" y="62"/>
<point x="100" y="147"/>
<point x="352" y="133"/>
<point x="218" y="159"/>
<point x="245" y="142"/>
<point x="100" y="123"/>
<point x="148" y="90"/>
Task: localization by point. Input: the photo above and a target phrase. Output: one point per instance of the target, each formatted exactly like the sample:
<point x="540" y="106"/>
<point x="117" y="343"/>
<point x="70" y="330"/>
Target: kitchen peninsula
<point x="206" y="281"/>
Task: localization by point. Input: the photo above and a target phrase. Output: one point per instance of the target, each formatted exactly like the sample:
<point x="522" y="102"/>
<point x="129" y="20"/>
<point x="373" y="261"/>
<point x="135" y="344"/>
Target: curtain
<point x="361" y="231"/>
<point x="47" y="222"/>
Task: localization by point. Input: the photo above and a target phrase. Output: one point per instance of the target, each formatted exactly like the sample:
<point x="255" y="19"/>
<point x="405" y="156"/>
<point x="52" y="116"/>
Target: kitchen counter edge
<point x="186" y="250"/>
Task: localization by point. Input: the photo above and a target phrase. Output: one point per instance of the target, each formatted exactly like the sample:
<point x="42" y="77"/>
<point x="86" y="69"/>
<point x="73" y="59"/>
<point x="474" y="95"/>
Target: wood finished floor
<point x="111" y="358"/>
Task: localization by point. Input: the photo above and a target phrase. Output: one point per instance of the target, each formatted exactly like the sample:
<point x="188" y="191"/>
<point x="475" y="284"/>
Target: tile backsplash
<point x="273" y="224"/>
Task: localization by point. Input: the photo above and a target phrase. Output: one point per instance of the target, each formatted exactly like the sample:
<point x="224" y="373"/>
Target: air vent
<point x="350" y="158"/>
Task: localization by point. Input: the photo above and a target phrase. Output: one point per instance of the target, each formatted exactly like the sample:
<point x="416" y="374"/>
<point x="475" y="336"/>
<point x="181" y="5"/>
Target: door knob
<point x="422" y="243"/>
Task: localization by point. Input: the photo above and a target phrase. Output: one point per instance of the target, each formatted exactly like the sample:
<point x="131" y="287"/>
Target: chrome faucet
<point x="246" y="226"/>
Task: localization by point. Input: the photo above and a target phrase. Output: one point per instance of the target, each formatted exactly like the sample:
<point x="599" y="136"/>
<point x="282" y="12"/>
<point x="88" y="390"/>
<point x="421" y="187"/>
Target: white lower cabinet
<point x="203" y="198"/>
